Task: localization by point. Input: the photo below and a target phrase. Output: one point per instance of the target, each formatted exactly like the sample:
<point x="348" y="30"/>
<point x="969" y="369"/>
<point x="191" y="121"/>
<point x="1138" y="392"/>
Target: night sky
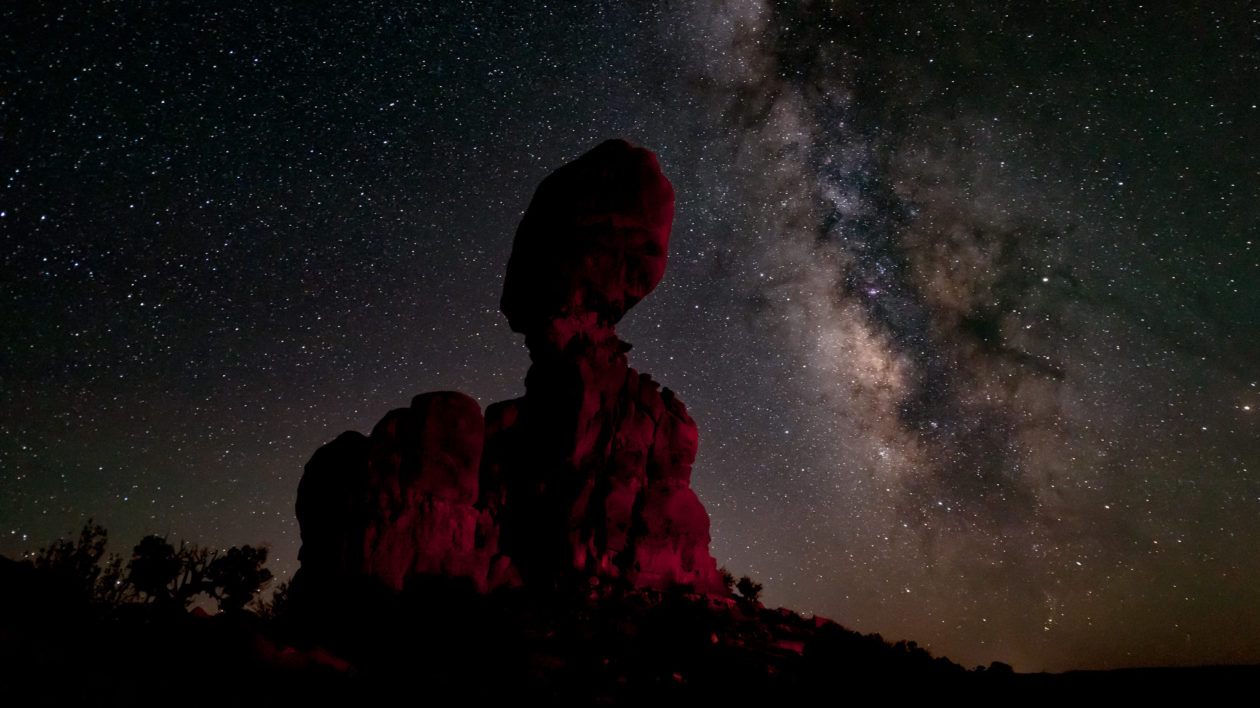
<point x="965" y="301"/>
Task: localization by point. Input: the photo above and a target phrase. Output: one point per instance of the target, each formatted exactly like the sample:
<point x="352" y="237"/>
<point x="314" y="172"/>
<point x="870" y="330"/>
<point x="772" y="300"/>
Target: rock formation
<point x="402" y="502"/>
<point x="586" y="476"/>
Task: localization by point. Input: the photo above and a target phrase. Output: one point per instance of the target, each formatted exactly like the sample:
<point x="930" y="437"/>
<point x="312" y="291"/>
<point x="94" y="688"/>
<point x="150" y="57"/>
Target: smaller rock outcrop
<point x="402" y="502"/>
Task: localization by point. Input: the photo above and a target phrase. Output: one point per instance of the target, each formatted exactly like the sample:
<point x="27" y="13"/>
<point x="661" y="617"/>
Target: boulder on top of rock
<point x="591" y="244"/>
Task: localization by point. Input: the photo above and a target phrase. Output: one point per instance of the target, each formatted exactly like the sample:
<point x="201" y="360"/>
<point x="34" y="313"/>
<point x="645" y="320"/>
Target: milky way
<point x="964" y="300"/>
<point x="956" y="303"/>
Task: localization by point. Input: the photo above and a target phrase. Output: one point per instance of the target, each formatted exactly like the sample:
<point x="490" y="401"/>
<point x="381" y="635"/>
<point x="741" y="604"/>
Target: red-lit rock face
<point x="597" y="483"/>
<point x="403" y="501"/>
<point x="591" y="244"/>
<point x="587" y="475"/>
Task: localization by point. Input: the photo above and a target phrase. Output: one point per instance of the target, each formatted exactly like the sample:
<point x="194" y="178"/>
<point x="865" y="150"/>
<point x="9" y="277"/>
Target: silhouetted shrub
<point x="748" y="589"/>
<point x="237" y="576"/>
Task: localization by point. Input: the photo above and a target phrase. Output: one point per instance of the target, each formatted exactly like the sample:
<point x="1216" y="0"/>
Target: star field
<point x="964" y="300"/>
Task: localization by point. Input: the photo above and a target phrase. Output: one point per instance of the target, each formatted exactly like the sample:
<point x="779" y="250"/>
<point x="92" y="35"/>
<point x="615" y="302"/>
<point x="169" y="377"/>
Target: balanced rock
<point x="586" y="476"/>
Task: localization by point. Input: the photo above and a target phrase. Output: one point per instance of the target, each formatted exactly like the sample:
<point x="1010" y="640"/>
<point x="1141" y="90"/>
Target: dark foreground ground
<point x="438" y="644"/>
